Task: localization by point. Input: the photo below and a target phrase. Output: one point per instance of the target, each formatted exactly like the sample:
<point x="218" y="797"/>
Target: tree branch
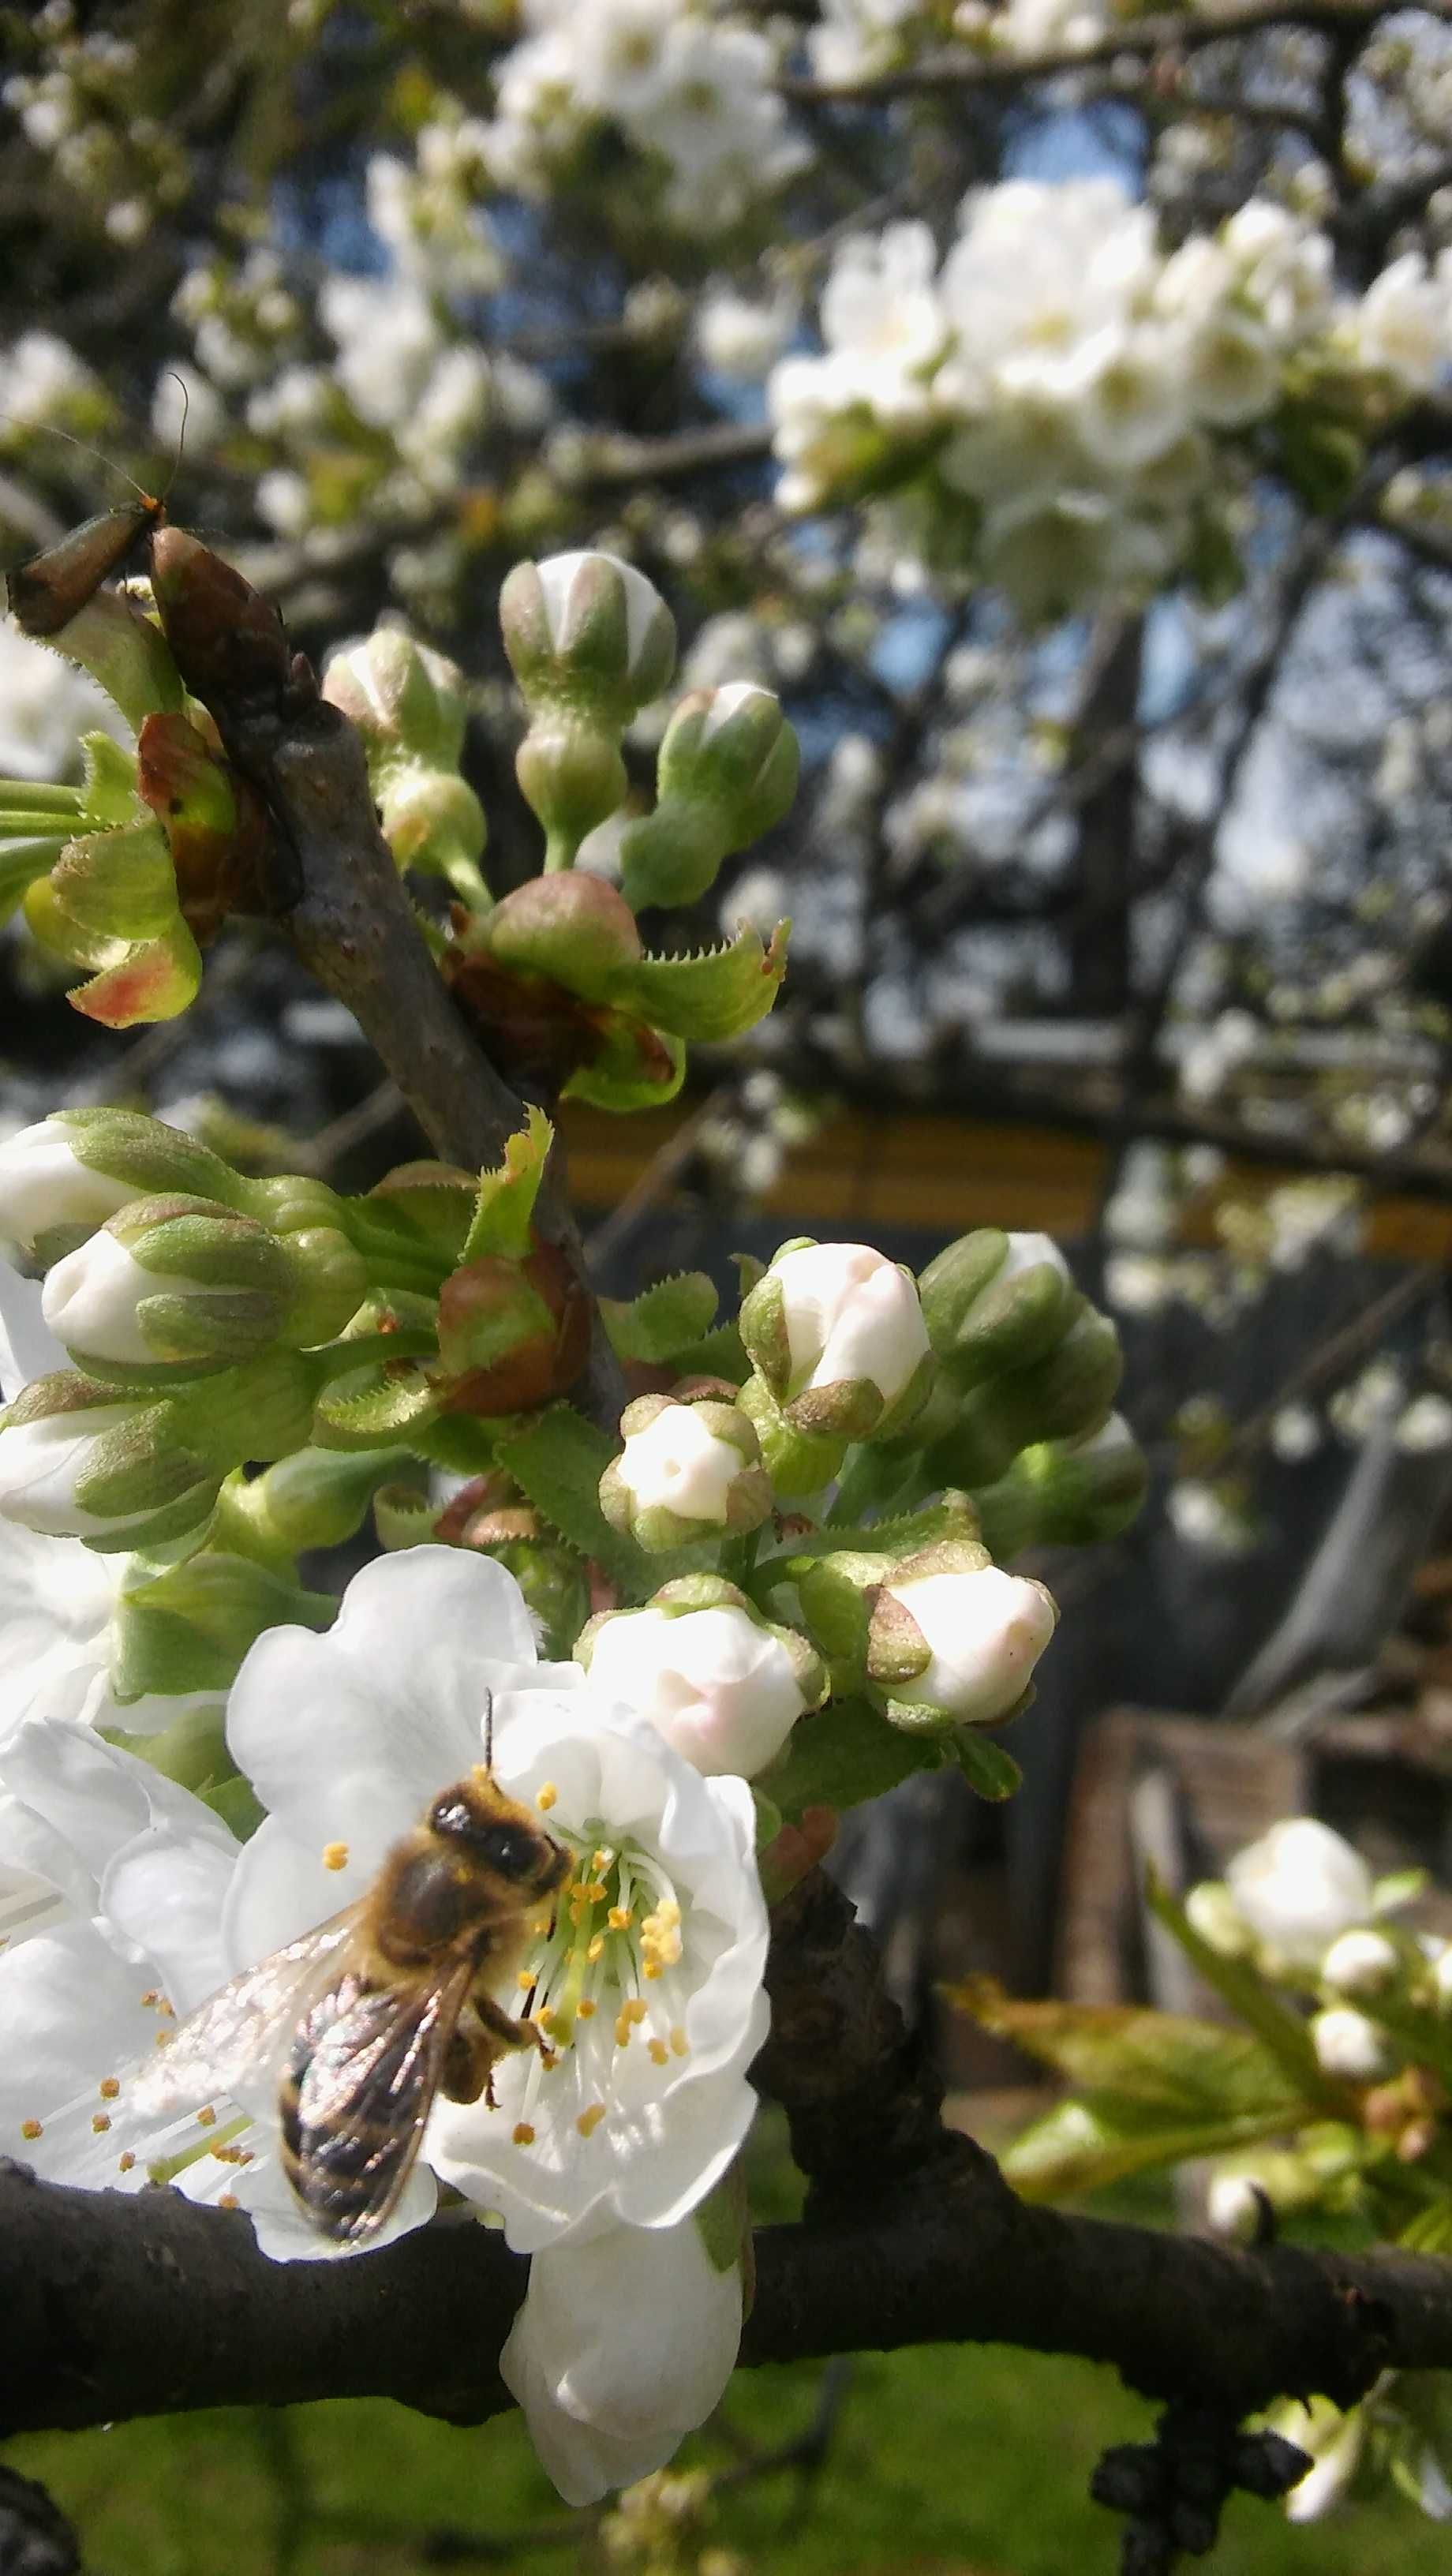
<point x="1172" y="31"/>
<point x="120" y="2306"/>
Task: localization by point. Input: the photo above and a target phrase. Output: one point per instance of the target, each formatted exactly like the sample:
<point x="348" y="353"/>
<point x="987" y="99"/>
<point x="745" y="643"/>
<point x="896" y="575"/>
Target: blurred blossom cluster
<point x="689" y="88"/>
<point x="1067" y="407"/>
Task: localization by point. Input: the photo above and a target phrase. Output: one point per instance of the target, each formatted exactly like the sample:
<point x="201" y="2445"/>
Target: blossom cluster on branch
<point x="1070" y="410"/>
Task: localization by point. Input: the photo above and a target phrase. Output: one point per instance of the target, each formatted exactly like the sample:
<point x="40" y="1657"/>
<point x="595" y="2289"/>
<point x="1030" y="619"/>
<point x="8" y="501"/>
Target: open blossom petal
<point x="622" y="2347"/>
<point x="1299" y="1886"/>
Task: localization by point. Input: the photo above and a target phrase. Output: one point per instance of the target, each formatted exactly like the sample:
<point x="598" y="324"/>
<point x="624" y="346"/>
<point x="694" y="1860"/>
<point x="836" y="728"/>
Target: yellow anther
<point x="622" y="2030"/>
<point x="549" y="2060"/>
<point x="600" y="1860"/>
<point x="228" y="2200"/>
<point x="110" y="2086"/>
<point x="585" y="2010"/>
<point x="523" y="2134"/>
<point x="100" y="2122"/>
<point x="524" y="1979"/>
<point x="589" y="2121"/>
<point x="125" y="2162"/>
<point x="151" y="1998"/>
<point x="31" y="2129"/>
<point x="652" y="1968"/>
<point x="163" y="2039"/>
<point x="206" y="2118"/>
<point x="680" y="2045"/>
<point x="165" y="2005"/>
<point x="335" y="1855"/>
<point x="597" y="1893"/>
<point x="546" y="2016"/>
<point x="620" y="1918"/>
<point x="634" y="2009"/>
<point x="545" y="1796"/>
<point x="660" y="2052"/>
<point x="596" y="1949"/>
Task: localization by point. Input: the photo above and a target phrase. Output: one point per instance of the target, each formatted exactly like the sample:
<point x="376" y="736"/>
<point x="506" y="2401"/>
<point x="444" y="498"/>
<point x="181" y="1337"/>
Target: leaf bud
<point x="512" y="1334"/>
<point x="687" y="1471"/>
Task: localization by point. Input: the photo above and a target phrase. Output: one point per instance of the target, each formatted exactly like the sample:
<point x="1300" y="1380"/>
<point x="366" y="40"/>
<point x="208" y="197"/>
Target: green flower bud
<point x="183" y="1286"/>
<point x="995" y="1301"/>
<point x="727" y="772"/>
<point x="588" y="632"/>
<point x="311" y="1498"/>
<point x="188" y="1629"/>
<point x="1067" y="1395"/>
<point x="408" y="704"/>
<point x="688" y="1471"/>
<point x="798" y="1460"/>
<point x="577" y="930"/>
<point x="407" y="701"/>
<point x="590" y="642"/>
<point x="1066" y="1493"/>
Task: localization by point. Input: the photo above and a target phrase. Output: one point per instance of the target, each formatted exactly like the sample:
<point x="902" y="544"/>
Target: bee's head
<point x="497" y="1835"/>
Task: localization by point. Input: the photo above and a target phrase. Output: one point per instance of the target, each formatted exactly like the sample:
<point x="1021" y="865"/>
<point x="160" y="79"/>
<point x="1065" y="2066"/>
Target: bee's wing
<point x="244" y="2028"/>
<point x="355" y="2099"/>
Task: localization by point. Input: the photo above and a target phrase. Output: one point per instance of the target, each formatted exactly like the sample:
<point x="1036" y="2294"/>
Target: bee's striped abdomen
<point x="355" y="2092"/>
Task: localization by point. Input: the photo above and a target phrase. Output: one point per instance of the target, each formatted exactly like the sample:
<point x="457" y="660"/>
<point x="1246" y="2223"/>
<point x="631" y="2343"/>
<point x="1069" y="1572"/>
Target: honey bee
<point x="383" y="2007"/>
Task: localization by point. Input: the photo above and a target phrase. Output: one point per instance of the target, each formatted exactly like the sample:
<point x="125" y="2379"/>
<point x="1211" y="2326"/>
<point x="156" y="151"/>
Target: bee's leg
<point x="504" y="2030"/>
<point x="466" y="2066"/>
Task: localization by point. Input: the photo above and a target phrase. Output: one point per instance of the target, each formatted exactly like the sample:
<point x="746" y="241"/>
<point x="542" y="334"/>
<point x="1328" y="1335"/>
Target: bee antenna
<point x="488" y="1729"/>
<point x="51" y="429"/>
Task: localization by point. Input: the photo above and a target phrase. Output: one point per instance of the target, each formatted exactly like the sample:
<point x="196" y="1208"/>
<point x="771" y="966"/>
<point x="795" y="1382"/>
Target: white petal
<point x="622" y="2347"/>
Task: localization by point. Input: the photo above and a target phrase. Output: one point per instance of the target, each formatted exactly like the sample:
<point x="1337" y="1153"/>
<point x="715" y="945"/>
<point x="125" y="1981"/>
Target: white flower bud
<point x="721" y="1689"/>
<point x="1360" y="1963"/>
<point x="849" y="1313"/>
<point x="42" y="1462"/>
<point x="678" y="1464"/>
<point x="985" y="1632"/>
<point x="43" y="1185"/>
<point x="1299" y="1886"/>
<point x="1349" y="2045"/>
<point x="91" y="1298"/>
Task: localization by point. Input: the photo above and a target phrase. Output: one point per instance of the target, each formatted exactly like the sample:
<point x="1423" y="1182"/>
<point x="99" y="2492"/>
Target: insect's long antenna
<point x="50" y="429"/>
<point x="488" y="1729"/>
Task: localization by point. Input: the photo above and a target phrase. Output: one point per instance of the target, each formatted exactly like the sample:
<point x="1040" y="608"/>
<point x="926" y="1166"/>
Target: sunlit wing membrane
<point x="244" y="2029"/>
<point x="355" y="2097"/>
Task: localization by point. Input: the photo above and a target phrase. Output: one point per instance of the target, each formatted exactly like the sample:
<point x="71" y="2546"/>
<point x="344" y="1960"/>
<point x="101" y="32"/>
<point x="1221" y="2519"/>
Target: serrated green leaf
<point x="666" y="1319"/>
<point x="371" y="1407"/>
<point x="716" y="1354"/>
<point x="985" y="1766"/>
<point x="713" y="995"/>
<point x="558" y="1458"/>
<point x="504" y="1209"/>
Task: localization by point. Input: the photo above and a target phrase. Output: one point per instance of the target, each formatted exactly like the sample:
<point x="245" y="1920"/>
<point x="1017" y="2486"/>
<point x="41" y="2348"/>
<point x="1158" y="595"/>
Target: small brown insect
<point x="45" y="592"/>
<point x="377" y="2011"/>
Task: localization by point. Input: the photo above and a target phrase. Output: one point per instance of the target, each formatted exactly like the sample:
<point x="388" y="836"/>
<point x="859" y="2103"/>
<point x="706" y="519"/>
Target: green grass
<point x="943" y="2463"/>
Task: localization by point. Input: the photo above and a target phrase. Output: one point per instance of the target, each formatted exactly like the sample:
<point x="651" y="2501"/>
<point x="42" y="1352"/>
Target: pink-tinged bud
<point x="717" y="1681"/>
<point x="979" y="1635"/>
<point x="837" y="1334"/>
